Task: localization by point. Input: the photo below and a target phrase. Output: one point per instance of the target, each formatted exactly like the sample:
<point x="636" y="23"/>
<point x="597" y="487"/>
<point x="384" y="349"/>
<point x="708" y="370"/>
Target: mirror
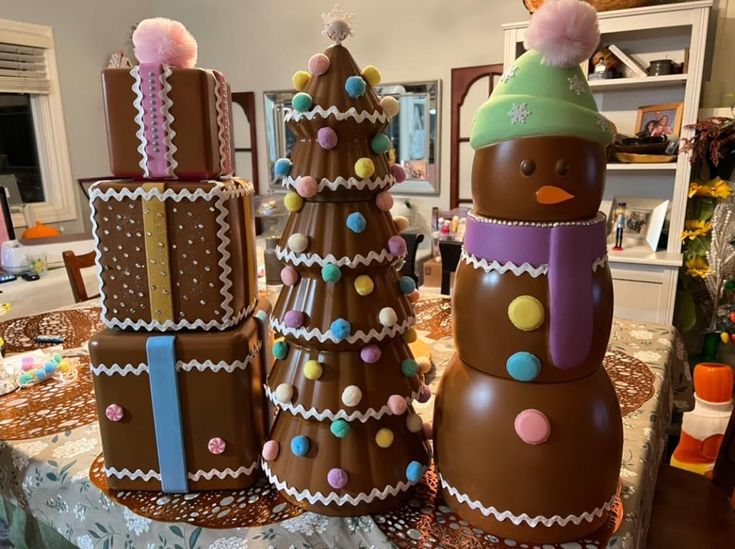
<point x="414" y="133"/>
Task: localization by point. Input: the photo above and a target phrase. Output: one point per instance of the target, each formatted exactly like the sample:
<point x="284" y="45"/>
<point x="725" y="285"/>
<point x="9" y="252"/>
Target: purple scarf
<point x="569" y="251"/>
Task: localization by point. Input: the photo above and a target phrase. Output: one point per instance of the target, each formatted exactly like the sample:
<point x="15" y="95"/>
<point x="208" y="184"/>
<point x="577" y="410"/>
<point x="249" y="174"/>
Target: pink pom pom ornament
<point x="397" y="405"/>
<point x="565" y="32"/>
<point x="162" y="40"/>
<point x="384" y="201"/>
<point x="318" y="64"/>
<point x="397" y="171"/>
<point x="306" y="186"/>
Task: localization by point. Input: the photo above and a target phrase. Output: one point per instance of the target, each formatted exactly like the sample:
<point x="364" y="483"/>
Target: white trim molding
<point x="60" y="203"/>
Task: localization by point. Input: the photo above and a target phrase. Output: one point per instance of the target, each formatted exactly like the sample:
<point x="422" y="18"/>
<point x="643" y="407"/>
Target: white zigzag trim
<point x="362" y="417"/>
<point x="220" y="194"/>
<point x="310" y="259"/>
<point x="518" y="270"/>
<point x="198" y="475"/>
<point x="223" y="126"/>
<point x="362" y="497"/>
<point x="140" y="133"/>
<point x="518" y="519"/>
<point x="372" y="335"/>
<point x="170" y="133"/>
<point x="229" y="367"/>
<point x="350" y="183"/>
<point x="318" y="110"/>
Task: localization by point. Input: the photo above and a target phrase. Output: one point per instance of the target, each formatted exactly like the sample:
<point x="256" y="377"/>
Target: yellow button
<point x="526" y="313"/>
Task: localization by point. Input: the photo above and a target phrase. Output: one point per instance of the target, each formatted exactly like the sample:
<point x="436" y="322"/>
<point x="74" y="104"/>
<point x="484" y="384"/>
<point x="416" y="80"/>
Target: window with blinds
<point x="23" y="69"/>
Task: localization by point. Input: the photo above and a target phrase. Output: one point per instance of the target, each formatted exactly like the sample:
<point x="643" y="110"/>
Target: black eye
<point x="528" y="166"/>
<point x="562" y="167"/>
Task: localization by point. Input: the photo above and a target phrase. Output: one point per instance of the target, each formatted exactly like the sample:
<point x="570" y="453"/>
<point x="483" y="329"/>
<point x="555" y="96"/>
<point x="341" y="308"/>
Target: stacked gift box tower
<point x="178" y="371"/>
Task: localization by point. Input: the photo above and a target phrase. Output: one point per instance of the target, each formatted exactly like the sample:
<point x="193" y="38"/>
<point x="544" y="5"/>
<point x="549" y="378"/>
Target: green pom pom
<point x="331" y="273"/>
<point x="280" y="350"/>
<point x="380" y="144"/>
<point x="409" y="367"/>
<point x="340" y="428"/>
<point x="302" y="102"/>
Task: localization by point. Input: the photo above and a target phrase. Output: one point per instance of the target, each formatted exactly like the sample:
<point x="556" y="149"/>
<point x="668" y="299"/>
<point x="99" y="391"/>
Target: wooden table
<point x="45" y="459"/>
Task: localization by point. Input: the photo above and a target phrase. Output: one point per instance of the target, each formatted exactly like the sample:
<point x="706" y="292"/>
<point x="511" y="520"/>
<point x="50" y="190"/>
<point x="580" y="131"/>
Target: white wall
<point x="85" y="33"/>
<point x="260" y="44"/>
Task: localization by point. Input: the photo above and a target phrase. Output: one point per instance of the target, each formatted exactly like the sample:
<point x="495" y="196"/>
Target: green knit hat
<point x="545" y="91"/>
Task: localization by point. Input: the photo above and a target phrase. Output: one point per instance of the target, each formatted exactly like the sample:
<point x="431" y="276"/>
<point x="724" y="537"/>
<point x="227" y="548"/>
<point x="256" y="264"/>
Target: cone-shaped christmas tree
<point x="345" y="440"/>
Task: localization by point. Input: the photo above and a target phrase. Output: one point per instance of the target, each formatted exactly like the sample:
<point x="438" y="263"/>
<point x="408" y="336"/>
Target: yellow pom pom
<point x="384" y="438"/>
<point x="410" y="336"/>
<point x="371" y="75"/>
<point x="364" y="168"/>
<point x="313" y="370"/>
<point x="725" y="337"/>
<point x="364" y="285"/>
<point x="293" y="201"/>
<point x="300" y="80"/>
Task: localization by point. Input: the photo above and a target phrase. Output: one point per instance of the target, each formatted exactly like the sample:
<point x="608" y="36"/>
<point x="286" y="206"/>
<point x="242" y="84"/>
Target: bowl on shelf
<point x="641" y="145"/>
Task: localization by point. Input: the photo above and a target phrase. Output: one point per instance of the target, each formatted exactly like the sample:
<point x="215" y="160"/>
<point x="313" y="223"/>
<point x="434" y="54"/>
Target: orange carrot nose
<point x="548" y="194"/>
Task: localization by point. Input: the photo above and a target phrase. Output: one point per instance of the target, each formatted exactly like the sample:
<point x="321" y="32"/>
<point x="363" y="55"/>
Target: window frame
<point x="60" y="202"/>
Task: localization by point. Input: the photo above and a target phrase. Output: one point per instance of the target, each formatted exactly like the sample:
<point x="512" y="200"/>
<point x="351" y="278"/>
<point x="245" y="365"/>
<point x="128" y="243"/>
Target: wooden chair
<point x="691" y="511"/>
<point x="74" y="265"/>
<point x="450" y="250"/>
<point x="412" y="245"/>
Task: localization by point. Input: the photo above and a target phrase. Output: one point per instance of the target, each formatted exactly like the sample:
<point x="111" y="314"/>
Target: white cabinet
<point x="645" y="281"/>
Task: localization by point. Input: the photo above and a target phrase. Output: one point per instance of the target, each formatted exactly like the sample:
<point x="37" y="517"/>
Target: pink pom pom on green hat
<point x="544" y="92"/>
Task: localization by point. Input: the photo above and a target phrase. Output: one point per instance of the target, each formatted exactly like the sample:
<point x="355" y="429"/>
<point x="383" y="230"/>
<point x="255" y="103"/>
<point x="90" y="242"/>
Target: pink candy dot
<point x="384" y="201"/>
<point x="428" y="431"/>
<point x="370" y="353"/>
<point x="397" y="405"/>
<point x="270" y="450"/>
<point x="327" y="138"/>
<point x="294" y="319"/>
<point x="425" y="394"/>
<point x="114" y="412"/>
<point x="306" y="186"/>
<point x="532" y="426"/>
<point x="289" y="276"/>
<point x="397" y="171"/>
<point x="216" y="445"/>
<point x="397" y="246"/>
<point x="337" y="478"/>
<point x="318" y="64"/>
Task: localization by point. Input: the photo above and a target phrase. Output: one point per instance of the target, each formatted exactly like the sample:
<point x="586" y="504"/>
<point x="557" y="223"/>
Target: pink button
<point x="114" y="412"/>
<point x="532" y="426"/>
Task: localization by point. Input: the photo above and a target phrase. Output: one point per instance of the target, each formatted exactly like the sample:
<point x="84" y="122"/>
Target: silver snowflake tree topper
<point x="337" y="24"/>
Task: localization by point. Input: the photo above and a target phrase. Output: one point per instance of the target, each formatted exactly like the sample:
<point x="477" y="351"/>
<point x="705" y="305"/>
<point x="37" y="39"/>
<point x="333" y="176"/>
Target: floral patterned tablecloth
<point x="46" y="478"/>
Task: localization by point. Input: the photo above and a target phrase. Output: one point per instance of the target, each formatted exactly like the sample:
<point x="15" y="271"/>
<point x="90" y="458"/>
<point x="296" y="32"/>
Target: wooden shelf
<point x="643" y="256"/>
<point x="638" y="82"/>
<point x="659" y="166"/>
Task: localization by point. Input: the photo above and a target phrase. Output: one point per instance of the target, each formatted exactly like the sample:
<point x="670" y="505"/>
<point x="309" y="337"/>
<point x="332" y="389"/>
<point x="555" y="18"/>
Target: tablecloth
<point x="45" y="473"/>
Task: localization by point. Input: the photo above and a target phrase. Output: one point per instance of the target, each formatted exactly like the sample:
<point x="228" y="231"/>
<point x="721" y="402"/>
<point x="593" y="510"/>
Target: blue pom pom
<point x="282" y="167"/>
<point x="380" y="143"/>
<point x="50" y="367"/>
<point x="356" y="222"/>
<point x="341" y="329"/>
<point x="523" y="366"/>
<point x="41" y="374"/>
<point x="302" y="102"/>
<point x="280" y="350"/>
<point x="409" y="367"/>
<point x="300" y="445"/>
<point x="355" y="86"/>
<point x="414" y="471"/>
<point x="331" y="273"/>
<point x="407" y="284"/>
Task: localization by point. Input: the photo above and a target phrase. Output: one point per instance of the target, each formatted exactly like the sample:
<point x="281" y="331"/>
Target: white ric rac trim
<point x="334" y="498"/>
<point x="201" y="474"/>
<point x="524" y="518"/>
<point x="315" y="333"/>
<point x="207" y="365"/>
<point x="341" y="182"/>
<point x="166" y="104"/>
<point x="359" y="117"/>
<point x="362" y="417"/>
<point x="140" y="133"/>
<point x="518" y="270"/>
<point x="217" y="193"/>
<point x="310" y="259"/>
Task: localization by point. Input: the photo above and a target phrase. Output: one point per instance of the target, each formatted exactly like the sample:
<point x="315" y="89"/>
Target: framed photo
<point x="644" y="220"/>
<point x="658" y="120"/>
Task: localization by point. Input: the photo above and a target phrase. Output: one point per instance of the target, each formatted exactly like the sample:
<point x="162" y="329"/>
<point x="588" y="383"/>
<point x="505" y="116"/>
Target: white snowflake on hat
<point x="509" y="73"/>
<point x="519" y="113"/>
<point x="576" y="84"/>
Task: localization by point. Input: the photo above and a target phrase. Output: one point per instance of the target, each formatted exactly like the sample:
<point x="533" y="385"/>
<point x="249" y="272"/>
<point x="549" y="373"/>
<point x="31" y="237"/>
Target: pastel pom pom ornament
<point x="397" y="246"/>
<point x="337" y="478"/>
<point x="318" y="64"/>
<point x="390" y="105"/>
<point x="294" y="319"/>
<point x="340" y="428"/>
<point x="282" y="167"/>
<point x="565" y="32"/>
<point x="355" y="86"/>
<point x="402" y="223"/>
<point x="289" y="276"/>
<point x="356" y="222"/>
<point x="293" y="202"/>
<point x="298" y="242"/>
<point x="302" y="102"/>
<point x="306" y="186"/>
<point x="397" y="405"/>
<point x="300" y="445"/>
<point x="162" y="40"/>
<point x="364" y="285"/>
<point x="327" y="138"/>
<point x="341" y="329"/>
<point x="351" y="396"/>
<point x="331" y="273"/>
<point x="387" y="316"/>
<point x="284" y="393"/>
<point x="384" y="201"/>
<point x="364" y="168"/>
<point x="414" y="423"/>
<point x="280" y="350"/>
<point x="380" y="143"/>
<point x="398" y="173"/>
<point x="370" y="354"/>
<point x="371" y="75"/>
<point x="300" y="80"/>
<point x="270" y="450"/>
